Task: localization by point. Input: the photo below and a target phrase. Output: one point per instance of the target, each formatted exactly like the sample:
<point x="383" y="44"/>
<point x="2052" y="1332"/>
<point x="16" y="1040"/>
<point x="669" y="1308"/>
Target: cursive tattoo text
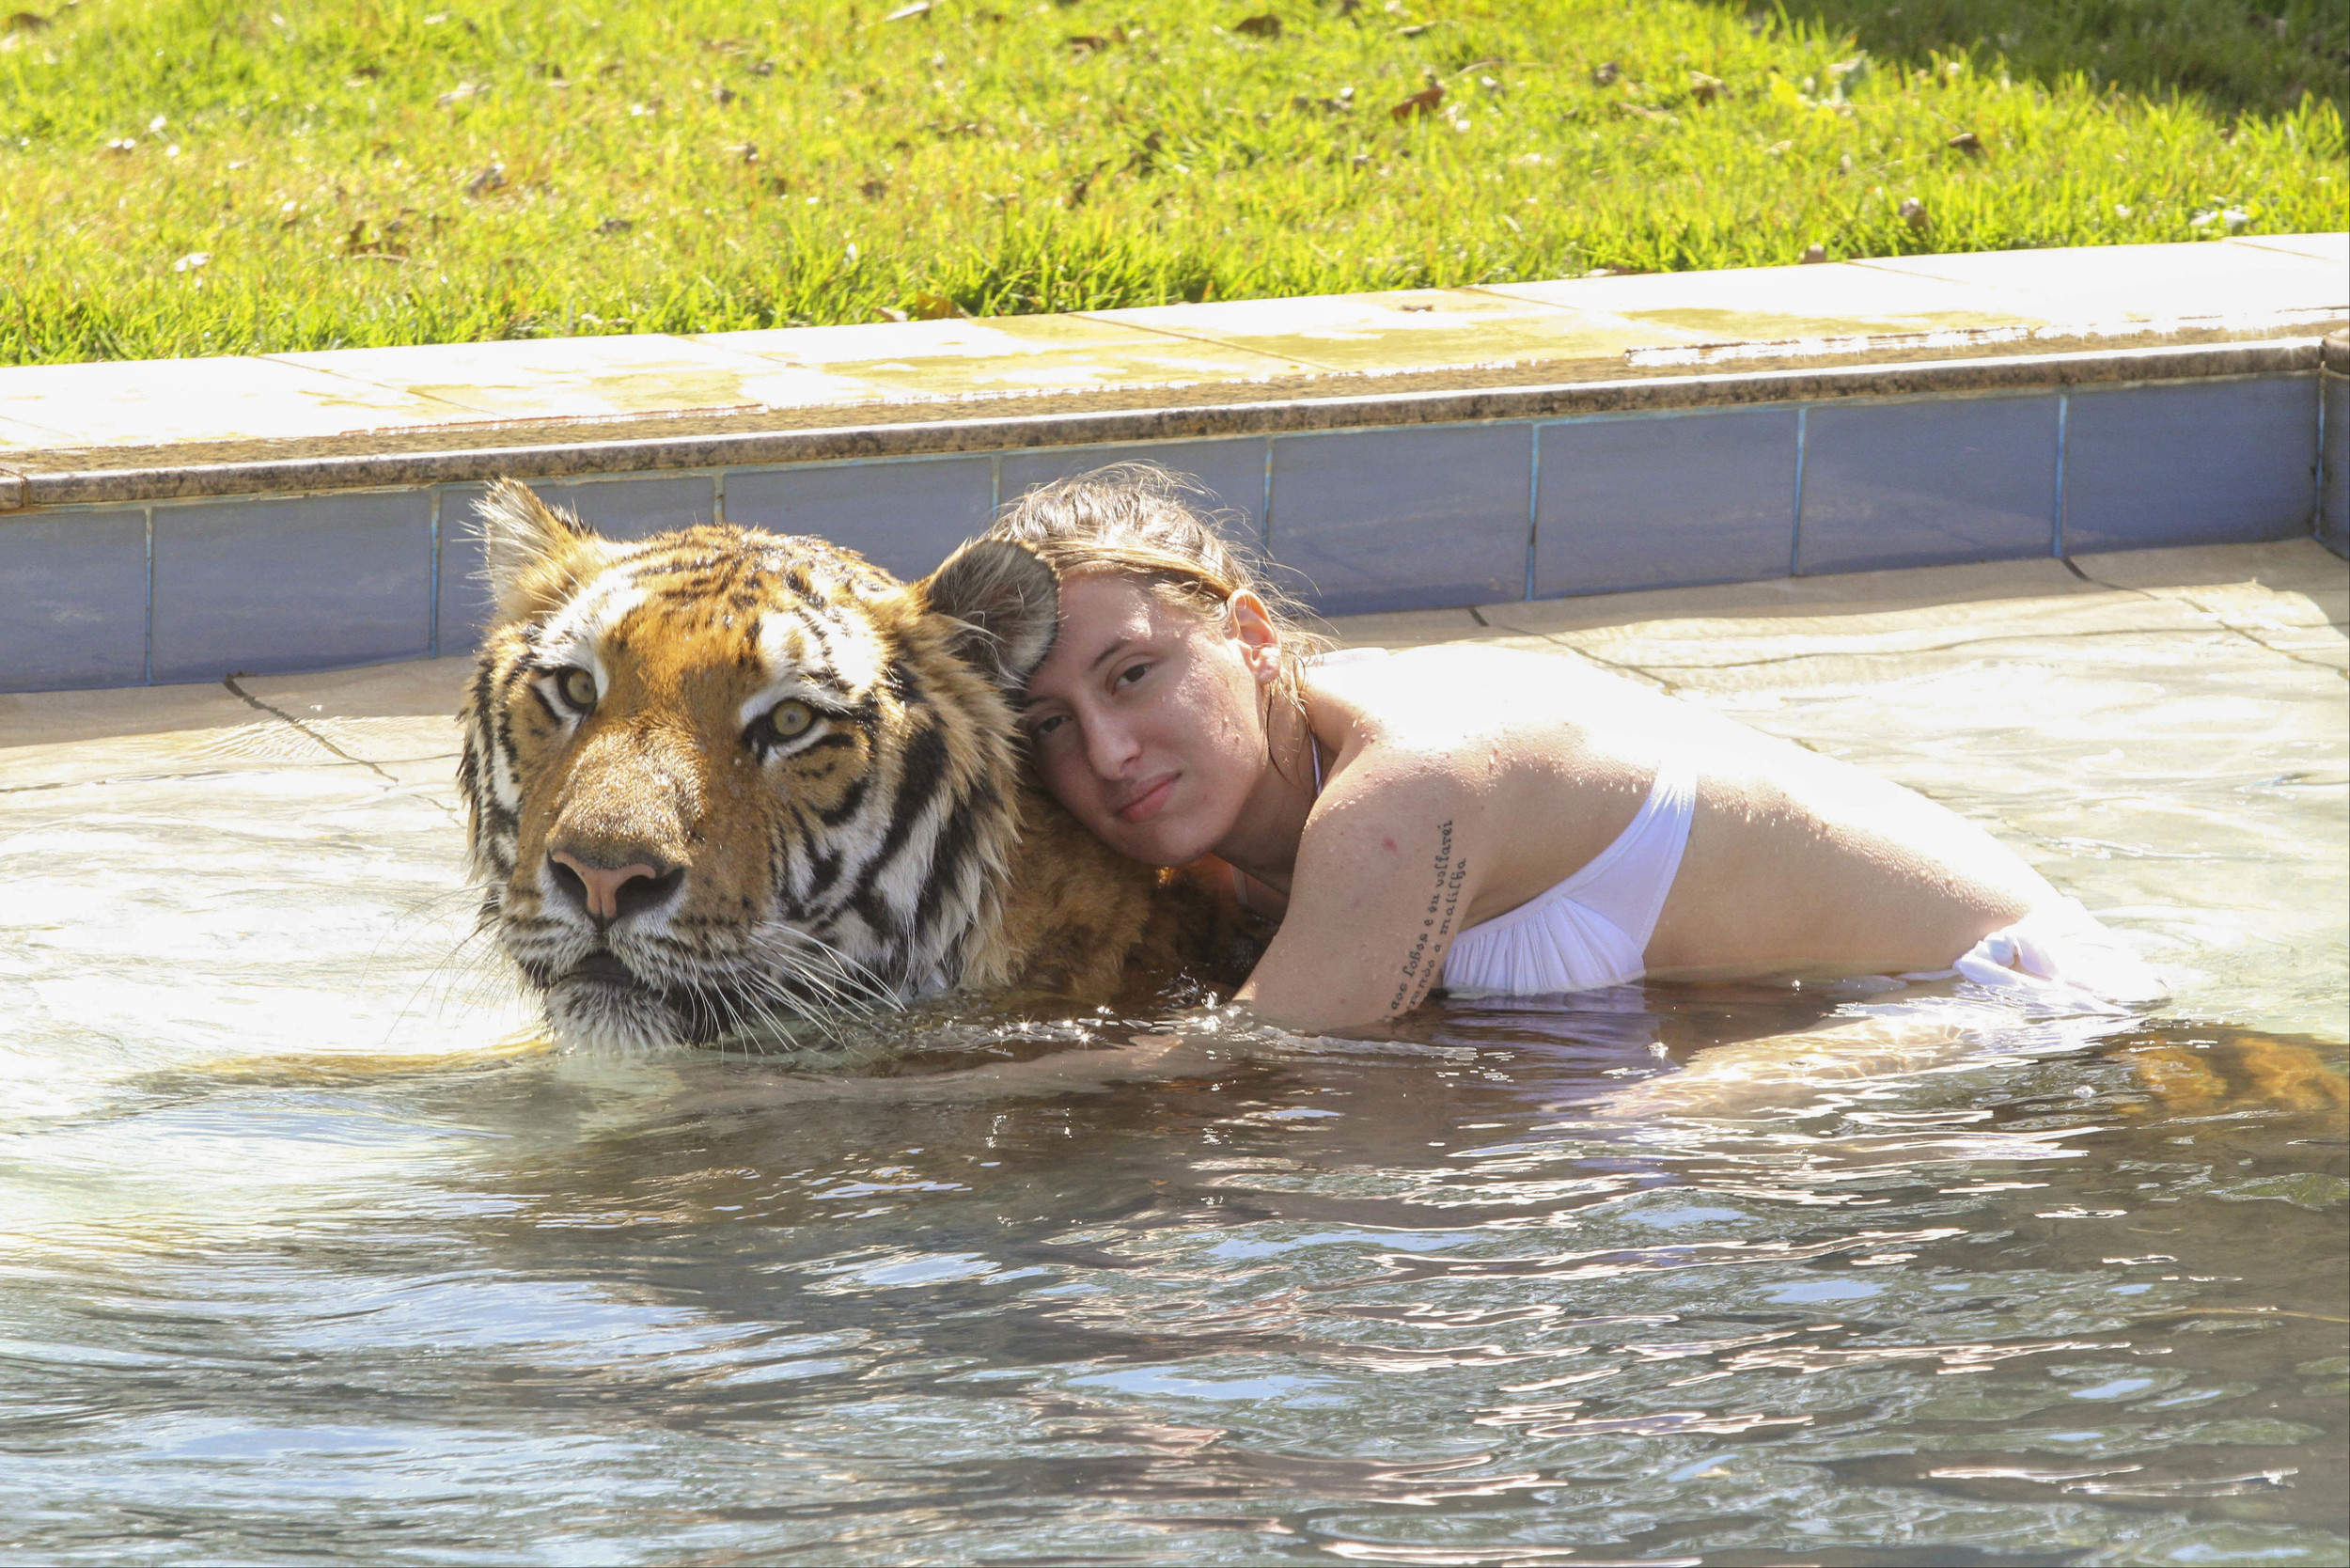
<point x="1426" y="959"/>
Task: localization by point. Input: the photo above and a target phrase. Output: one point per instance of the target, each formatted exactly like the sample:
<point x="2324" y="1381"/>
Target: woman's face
<point x="1146" y="719"/>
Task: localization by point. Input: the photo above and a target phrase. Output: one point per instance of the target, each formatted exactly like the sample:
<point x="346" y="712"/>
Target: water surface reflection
<point x="1416" y="1301"/>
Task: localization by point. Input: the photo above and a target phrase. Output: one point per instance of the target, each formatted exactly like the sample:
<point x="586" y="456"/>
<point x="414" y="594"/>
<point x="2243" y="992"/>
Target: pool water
<point x="297" y="1261"/>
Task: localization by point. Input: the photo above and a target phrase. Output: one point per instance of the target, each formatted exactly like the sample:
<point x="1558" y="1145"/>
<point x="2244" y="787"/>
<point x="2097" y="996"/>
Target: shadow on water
<point x="2225" y="52"/>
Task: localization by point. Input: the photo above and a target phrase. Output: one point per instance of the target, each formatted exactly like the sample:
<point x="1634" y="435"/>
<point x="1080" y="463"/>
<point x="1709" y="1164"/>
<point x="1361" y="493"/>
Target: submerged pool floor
<point x="296" y="1259"/>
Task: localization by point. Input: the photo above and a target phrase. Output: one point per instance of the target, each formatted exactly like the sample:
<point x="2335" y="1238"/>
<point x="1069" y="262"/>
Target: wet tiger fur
<point x="721" y="780"/>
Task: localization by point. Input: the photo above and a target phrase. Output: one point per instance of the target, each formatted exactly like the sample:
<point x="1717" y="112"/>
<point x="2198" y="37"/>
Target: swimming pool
<point x="295" y="1262"/>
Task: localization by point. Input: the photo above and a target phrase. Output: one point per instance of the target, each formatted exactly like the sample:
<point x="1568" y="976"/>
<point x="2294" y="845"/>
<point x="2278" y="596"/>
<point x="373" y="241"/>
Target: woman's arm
<point x="1390" y="863"/>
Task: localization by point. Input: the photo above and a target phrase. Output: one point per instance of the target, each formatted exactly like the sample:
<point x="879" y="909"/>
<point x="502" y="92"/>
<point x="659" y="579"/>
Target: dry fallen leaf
<point x="1421" y="103"/>
<point x="1605" y="74"/>
<point x="459" y="93"/>
<point x="1913" y="212"/>
<point x="27" y="22"/>
<point x="1969" y="143"/>
<point x="383" y="247"/>
<point x="613" y="226"/>
<point x="1083" y="185"/>
<point x="1706" y="89"/>
<point x="1087" y="43"/>
<point x="1265" y="26"/>
<point x="747" y="152"/>
<point x="920" y="8"/>
<point x="491" y="178"/>
<point x="874" y="189"/>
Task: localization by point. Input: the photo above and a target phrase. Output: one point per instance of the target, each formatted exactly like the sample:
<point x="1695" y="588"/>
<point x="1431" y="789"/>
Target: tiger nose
<point x="605" y="893"/>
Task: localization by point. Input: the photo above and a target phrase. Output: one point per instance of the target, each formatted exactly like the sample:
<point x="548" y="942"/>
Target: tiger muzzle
<point x="618" y="849"/>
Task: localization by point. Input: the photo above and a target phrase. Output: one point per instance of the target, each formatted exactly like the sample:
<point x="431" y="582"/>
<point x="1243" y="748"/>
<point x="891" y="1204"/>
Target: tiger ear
<point x="534" y="552"/>
<point x="1005" y="604"/>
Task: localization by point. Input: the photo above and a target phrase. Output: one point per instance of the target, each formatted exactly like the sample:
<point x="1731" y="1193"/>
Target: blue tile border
<point x="2203" y="462"/>
<point x="904" y="516"/>
<point x="1664" y="500"/>
<point x="2333" y="462"/>
<point x="1927" y="482"/>
<point x="1419" y="518"/>
<point x="637" y="505"/>
<point x="1382" y="517"/>
<point x="73" y="600"/>
<point x="460" y="599"/>
<point x="1236" y="471"/>
<point x="290" y="584"/>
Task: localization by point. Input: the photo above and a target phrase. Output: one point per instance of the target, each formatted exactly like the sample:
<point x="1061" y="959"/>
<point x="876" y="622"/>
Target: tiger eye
<point x="790" y="718"/>
<point x="578" y="688"/>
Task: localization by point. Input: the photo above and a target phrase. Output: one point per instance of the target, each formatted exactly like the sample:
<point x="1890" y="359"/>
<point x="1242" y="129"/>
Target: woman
<point x="1490" y="821"/>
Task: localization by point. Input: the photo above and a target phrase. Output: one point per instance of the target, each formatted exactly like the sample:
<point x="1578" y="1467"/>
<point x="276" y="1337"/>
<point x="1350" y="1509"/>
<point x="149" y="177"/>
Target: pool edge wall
<point x="2333" y="454"/>
<point x="1365" y="504"/>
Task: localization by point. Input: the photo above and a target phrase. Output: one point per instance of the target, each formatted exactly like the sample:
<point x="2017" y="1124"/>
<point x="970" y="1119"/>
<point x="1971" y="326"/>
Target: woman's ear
<point x="1249" y="624"/>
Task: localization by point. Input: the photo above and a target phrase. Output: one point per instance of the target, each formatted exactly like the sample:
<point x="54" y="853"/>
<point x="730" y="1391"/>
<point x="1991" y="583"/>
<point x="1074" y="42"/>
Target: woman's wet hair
<point x="1137" y="520"/>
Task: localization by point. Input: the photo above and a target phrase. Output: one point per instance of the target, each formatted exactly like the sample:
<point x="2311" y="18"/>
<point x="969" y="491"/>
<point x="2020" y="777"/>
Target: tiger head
<point x="721" y="779"/>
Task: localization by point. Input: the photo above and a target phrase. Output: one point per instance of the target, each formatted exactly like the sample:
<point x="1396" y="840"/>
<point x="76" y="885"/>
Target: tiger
<point x="721" y="783"/>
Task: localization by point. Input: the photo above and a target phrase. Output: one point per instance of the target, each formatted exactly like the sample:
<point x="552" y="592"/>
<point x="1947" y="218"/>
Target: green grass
<point x="364" y="172"/>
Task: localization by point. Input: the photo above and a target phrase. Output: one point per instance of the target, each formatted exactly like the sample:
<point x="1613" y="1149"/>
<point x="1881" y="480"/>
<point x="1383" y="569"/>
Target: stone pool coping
<point x="176" y="520"/>
<point x="367" y="418"/>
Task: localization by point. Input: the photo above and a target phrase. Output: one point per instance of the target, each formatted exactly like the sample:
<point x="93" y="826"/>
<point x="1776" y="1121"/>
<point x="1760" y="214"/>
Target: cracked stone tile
<point x="388" y="712"/>
<point x="419" y="689"/>
<point x="2291" y="566"/>
<point x="36" y="718"/>
<point x="2252" y="607"/>
<point x="252" y="746"/>
<point x="1407" y="629"/>
<point x="1980" y="627"/>
<point x="2325" y="645"/>
<point x="1848" y="594"/>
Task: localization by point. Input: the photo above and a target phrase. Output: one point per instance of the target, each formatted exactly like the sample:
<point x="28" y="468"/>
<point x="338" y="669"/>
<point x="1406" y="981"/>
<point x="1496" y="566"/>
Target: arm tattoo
<point x="1422" y="965"/>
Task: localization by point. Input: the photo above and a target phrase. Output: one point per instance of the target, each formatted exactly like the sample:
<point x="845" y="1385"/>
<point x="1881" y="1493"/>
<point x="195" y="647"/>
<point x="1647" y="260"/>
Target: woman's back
<point x="1792" y="862"/>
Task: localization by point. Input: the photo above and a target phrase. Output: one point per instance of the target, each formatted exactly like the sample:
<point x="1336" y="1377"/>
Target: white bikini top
<point x="1592" y="928"/>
